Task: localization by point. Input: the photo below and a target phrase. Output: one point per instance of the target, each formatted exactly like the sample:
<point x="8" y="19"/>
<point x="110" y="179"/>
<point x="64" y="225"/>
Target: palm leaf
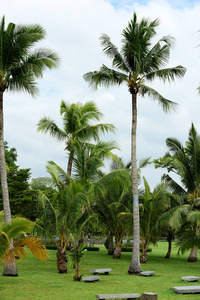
<point x="163" y="102"/>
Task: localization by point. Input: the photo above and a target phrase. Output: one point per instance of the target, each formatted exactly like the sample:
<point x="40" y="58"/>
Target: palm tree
<point x="76" y="126"/>
<point x="75" y="257"/>
<point x="138" y="61"/>
<point x="66" y="215"/>
<point x="184" y="162"/>
<point x="112" y="200"/>
<point x="19" y="68"/>
<point x="89" y="159"/>
<point x="190" y="237"/>
<point x="8" y="250"/>
<point x="152" y="204"/>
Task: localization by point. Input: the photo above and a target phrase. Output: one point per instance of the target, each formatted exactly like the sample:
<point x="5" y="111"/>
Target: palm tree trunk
<point x="69" y="165"/>
<point x="144" y="256"/>
<point x="61" y="260"/>
<point x="4" y="184"/>
<point x="135" y="267"/>
<point x="193" y="255"/>
<point x="110" y="246"/>
<point x="169" y="239"/>
<point x="117" y="252"/>
<point x="10" y="270"/>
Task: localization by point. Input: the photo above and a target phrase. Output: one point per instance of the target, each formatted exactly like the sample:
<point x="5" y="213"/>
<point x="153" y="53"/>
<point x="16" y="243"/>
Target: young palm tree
<point x="9" y="250"/>
<point x="185" y="162"/>
<point x="138" y="61"/>
<point x="20" y="66"/>
<point x="76" y="126"/>
<point x="112" y="200"/>
<point x="152" y="204"/>
<point x="66" y="215"/>
<point x="76" y="256"/>
<point x="90" y="158"/>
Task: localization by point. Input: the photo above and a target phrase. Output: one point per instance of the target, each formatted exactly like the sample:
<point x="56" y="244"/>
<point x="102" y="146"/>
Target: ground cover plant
<point x="37" y="280"/>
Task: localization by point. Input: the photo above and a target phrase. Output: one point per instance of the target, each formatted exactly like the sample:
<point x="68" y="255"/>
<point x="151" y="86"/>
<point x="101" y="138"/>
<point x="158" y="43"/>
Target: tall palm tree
<point x="20" y="66"/>
<point x="77" y="126"/>
<point x="138" y="61"/>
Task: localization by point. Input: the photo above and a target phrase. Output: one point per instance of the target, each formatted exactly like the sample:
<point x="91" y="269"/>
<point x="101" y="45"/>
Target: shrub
<point x="92" y="248"/>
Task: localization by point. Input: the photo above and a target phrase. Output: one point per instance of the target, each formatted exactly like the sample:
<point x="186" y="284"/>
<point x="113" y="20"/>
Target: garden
<point x="38" y="280"/>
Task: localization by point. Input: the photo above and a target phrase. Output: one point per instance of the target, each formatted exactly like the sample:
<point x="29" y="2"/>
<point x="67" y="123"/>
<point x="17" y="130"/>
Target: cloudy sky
<point x="73" y="29"/>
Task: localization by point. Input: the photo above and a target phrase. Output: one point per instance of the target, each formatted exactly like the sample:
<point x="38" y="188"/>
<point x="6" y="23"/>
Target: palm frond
<point x="104" y="77"/>
<point x="163" y="102"/>
<point x="48" y="125"/>
<point x="168" y="74"/>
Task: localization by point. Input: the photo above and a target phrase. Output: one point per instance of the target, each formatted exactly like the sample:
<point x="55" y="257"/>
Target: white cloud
<point x="73" y="29"/>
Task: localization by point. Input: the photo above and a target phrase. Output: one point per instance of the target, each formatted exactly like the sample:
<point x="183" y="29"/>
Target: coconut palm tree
<point x="66" y="215"/>
<point x="77" y="126"/>
<point x="190" y="237"/>
<point x="89" y="159"/>
<point x="137" y="62"/>
<point x="185" y="163"/>
<point x="112" y="200"/>
<point x="152" y="204"/>
<point x="20" y="66"/>
<point x="8" y="250"/>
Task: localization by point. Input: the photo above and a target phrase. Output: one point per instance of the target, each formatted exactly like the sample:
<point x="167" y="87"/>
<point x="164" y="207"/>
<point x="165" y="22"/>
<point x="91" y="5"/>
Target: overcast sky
<point x="73" y="30"/>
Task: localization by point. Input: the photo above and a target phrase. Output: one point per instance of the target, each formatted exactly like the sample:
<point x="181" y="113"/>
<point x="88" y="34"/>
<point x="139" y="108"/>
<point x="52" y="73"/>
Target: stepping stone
<point x="147" y="273"/>
<point x="190" y="278"/>
<point x="195" y="289"/>
<point x="118" y="296"/>
<point x="97" y="271"/>
<point x="91" y="278"/>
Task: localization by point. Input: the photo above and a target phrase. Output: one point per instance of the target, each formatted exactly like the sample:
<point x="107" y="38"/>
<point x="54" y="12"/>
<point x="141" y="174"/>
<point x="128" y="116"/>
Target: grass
<point x="38" y="280"/>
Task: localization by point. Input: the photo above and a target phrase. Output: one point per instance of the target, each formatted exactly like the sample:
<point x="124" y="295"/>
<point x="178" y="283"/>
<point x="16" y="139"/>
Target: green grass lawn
<point x="38" y="280"/>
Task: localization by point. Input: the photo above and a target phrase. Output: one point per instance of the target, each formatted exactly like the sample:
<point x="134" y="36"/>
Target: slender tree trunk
<point x="135" y="267"/>
<point x="69" y="165"/>
<point x="10" y="270"/>
<point x="117" y="252"/>
<point x="61" y="260"/>
<point x="144" y="256"/>
<point x="110" y="246"/>
<point x="169" y="239"/>
<point x="4" y="184"/>
<point x="193" y="255"/>
<point x="82" y="237"/>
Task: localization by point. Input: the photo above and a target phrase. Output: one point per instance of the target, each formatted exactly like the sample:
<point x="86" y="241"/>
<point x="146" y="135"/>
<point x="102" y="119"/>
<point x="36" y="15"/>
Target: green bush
<point x="129" y="249"/>
<point x="51" y="247"/>
<point x="92" y="248"/>
<point x="106" y="243"/>
<point x="54" y="247"/>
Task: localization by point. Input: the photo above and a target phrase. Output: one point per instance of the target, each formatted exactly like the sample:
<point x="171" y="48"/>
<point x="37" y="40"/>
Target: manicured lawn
<point x="38" y="280"/>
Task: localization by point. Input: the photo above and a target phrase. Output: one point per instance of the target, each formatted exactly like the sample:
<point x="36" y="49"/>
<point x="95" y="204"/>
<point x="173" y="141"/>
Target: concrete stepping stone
<point x="195" y="289"/>
<point x="91" y="278"/>
<point x="118" y="296"/>
<point x="147" y="273"/>
<point x="102" y="271"/>
<point x="190" y="278"/>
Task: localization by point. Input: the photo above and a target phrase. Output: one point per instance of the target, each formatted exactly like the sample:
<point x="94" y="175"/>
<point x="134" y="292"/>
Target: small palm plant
<point x="76" y="256"/>
<point x="66" y="214"/>
<point x="9" y="249"/>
